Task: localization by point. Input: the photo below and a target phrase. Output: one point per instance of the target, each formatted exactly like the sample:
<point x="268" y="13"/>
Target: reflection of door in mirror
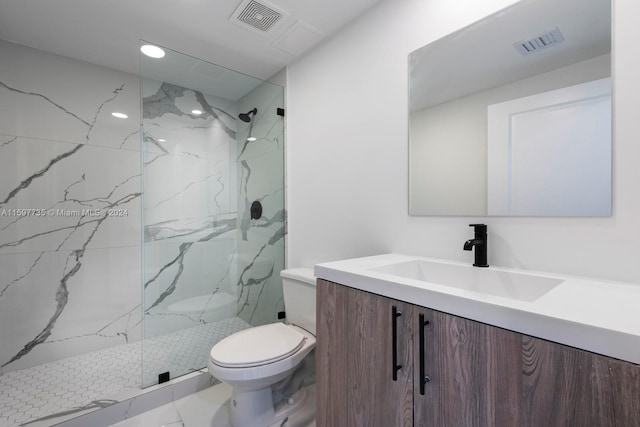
<point x="550" y="154"/>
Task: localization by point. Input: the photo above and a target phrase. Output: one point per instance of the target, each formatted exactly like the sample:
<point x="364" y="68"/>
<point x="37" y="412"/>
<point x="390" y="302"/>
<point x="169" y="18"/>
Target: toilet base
<point x="304" y="414"/>
<point x="254" y="408"/>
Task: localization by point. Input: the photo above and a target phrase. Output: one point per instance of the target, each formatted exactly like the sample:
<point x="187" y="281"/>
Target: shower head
<point x="246" y="117"/>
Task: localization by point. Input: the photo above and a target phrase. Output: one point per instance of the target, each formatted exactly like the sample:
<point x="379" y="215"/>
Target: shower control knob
<point x="256" y="210"/>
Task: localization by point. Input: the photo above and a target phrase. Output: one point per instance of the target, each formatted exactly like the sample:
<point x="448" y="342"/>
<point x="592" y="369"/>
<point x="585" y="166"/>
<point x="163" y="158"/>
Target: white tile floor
<point x="59" y="390"/>
<point x="208" y="408"/>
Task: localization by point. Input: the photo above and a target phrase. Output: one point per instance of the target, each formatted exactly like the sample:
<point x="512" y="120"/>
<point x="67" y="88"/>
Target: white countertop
<point x="595" y="315"/>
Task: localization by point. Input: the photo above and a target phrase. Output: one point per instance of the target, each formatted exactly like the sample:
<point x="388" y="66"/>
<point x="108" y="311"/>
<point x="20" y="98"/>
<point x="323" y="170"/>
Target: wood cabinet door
<point x="375" y="398"/>
<point x="475" y="374"/>
<point x="565" y="386"/>
<point x="331" y="353"/>
<point x="354" y="359"/>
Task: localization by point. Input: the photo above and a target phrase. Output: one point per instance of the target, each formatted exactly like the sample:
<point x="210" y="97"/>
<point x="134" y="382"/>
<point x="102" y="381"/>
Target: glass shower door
<point x="209" y="269"/>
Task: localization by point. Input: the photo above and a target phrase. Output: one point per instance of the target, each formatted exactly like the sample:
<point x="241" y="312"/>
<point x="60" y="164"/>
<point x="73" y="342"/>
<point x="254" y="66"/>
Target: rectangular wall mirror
<point x="511" y="116"/>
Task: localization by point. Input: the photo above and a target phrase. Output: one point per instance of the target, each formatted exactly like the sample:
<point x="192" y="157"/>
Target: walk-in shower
<point x="127" y="246"/>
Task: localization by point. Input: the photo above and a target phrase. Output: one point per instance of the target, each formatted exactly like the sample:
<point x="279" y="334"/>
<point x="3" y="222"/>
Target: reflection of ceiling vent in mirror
<point x="539" y="42"/>
<point x="256" y="15"/>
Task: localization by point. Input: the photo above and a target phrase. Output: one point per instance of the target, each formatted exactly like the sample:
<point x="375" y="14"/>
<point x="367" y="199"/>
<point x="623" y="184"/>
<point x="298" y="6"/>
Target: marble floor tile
<point x="208" y="408"/>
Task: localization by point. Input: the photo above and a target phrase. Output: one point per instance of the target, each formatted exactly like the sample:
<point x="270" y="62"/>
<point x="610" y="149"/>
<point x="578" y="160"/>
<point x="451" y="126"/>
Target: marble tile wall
<point x="78" y="196"/>
<point x="260" y="176"/>
<point x="70" y="191"/>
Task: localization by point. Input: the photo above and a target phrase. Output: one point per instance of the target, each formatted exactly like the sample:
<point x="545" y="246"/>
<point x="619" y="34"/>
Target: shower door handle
<point x="394" y="341"/>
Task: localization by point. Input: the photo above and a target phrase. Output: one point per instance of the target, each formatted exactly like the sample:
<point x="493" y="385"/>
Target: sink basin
<point x="519" y="286"/>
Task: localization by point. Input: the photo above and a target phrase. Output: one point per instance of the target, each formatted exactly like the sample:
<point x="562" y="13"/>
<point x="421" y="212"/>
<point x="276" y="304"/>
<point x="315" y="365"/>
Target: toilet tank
<point x="299" y="289"/>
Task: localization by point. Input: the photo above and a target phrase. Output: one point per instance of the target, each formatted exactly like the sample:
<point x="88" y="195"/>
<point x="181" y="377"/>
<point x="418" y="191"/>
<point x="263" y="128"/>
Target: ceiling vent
<point x="539" y="42"/>
<point x="257" y="15"/>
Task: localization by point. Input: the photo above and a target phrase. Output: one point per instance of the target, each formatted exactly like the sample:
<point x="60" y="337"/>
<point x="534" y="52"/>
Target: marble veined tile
<point x="48" y="96"/>
<point x="61" y="196"/>
<point x="103" y="387"/>
<point x="188" y="285"/>
<point x="192" y="190"/>
<point x="267" y="127"/>
<point x="204" y="408"/>
<point x="171" y="127"/>
<point x="261" y="179"/>
<point x="57" y="304"/>
<point x="259" y="286"/>
<point x="166" y="415"/>
<point x="209" y="407"/>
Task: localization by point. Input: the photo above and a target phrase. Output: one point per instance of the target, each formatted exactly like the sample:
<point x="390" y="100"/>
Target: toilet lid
<point x="257" y="346"/>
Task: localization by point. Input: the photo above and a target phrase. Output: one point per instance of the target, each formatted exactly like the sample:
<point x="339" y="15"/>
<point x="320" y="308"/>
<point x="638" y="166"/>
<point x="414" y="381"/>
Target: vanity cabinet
<point x="477" y="374"/>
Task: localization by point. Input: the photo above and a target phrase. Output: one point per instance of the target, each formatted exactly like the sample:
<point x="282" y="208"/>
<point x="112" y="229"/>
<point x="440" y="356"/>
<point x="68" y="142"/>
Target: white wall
<point x="347" y="154"/>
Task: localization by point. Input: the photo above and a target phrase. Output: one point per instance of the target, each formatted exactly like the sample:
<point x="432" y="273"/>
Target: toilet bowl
<point x="260" y="360"/>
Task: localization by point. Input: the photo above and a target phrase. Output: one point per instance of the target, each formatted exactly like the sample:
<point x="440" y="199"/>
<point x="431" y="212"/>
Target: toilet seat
<point x="257" y="346"/>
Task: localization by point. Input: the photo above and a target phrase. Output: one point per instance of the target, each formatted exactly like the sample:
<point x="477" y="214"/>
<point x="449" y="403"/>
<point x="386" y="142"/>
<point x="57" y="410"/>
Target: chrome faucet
<point x="480" y="242"/>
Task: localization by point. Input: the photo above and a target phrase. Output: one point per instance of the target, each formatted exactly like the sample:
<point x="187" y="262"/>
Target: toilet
<point x="261" y="363"/>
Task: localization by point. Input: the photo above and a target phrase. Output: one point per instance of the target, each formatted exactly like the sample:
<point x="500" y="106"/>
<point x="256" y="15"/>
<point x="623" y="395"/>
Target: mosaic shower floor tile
<point x="95" y="380"/>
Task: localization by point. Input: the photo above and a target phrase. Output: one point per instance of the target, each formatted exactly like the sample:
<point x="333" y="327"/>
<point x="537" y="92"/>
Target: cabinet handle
<point x="424" y="379"/>
<point x="394" y="341"/>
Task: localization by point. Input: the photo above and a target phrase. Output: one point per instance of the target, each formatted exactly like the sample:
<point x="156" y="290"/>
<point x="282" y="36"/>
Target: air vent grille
<point x="259" y="16"/>
<point x="540" y="42"/>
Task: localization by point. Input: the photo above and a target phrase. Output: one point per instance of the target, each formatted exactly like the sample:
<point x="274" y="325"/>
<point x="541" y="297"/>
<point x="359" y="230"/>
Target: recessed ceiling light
<point x="152" y="51"/>
<point x="196" y="112"/>
<point x="119" y="115"/>
<point x="251" y="138"/>
<point x="162" y="140"/>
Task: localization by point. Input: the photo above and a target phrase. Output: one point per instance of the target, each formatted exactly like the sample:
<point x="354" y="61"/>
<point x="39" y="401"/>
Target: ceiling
<point x="108" y="32"/>
<point x="487" y="48"/>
